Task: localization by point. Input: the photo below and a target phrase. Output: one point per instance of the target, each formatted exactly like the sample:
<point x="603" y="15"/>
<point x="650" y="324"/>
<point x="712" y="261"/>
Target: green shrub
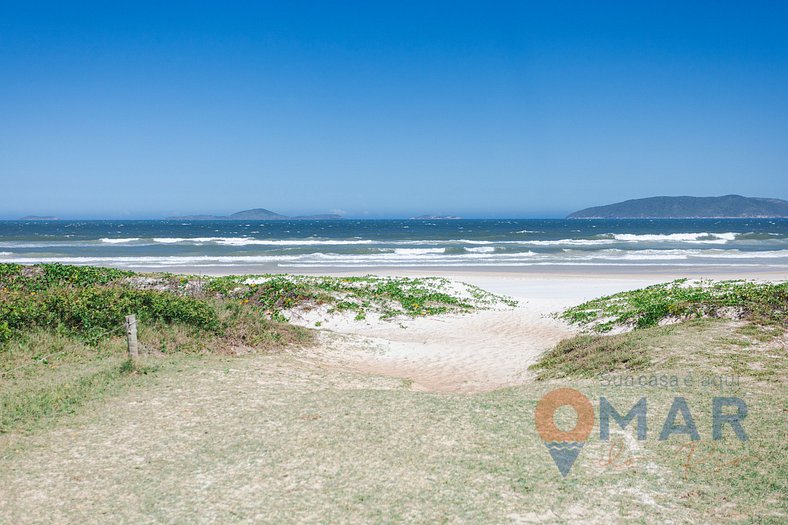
<point x="5" y="332"/>
<point x="387" y="296"/>
<point x="280" y="293"/>
<point x="95" y="311"/>
<point x="43" y="276"/>
<point x="762" y="303"/>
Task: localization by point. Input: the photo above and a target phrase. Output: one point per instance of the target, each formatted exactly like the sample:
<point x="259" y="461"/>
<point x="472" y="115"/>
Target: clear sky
<point x="387" y="109"/>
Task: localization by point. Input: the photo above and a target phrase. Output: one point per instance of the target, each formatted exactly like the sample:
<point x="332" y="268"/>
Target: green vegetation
<point x="760" y="312"/>
<point x="589" y="355"/>
<point x="62" y="336"/>
<point x="760" y="303"/>
<point x="728" y="347"/>
<point x="389" y="297"/>
<point x="36" y="387"/>
<point x="731" y="338"/>
<point x="277" y="427"/>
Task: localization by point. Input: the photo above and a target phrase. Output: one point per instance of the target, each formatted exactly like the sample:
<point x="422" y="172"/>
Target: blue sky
<point x="387" y="109"/>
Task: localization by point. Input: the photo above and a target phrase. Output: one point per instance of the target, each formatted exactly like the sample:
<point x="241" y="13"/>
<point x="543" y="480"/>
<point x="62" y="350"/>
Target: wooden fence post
<point x="131" y="336"/>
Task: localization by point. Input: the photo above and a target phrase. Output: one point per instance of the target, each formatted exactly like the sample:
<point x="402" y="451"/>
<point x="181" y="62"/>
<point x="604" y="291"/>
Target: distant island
<point x="725" y="207"/>
<point x="435" y="218"/>
<point x="38" y="218"/>
<point x="257" y="214"/>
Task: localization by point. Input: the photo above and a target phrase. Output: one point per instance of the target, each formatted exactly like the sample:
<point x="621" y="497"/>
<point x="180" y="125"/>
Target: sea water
<point x="266" y="246"/>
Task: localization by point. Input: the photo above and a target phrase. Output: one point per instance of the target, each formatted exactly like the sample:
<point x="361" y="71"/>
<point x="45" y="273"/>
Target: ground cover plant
<point x="214" y="438"/>
<point x="635" y="330"/>
<point x="760" y="303"/>
<point x="387" y="296"/>
<point x="248" y="440"/>
<point x="732" y="337"/>
<point x="62" y="339"/>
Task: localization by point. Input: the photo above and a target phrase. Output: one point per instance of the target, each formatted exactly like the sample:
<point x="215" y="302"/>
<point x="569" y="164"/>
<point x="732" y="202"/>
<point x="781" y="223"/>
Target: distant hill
<point x="38" y="218"/>
<point x="257" y="214"/>
<point x="725" y="207"/>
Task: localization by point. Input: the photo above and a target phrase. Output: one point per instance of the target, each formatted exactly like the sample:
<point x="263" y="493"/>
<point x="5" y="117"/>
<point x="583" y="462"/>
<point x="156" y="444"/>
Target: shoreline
<point x="668" y="271"/>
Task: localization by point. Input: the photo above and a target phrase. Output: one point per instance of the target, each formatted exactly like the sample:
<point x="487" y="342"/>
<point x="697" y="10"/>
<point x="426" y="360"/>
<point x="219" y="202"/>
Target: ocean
<point x="282" y="246"/>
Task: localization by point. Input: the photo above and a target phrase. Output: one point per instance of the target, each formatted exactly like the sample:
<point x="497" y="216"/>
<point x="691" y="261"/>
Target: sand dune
<point x="476" y="352"/>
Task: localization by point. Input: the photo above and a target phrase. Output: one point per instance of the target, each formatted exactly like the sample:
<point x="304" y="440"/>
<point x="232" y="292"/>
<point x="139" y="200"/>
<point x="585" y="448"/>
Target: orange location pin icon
<point x="564" y="446"/>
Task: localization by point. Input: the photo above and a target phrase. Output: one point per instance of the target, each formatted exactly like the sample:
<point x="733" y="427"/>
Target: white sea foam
<point x="718" y="238"/>
<point x="570" y="242"/>
<point x="481" y="249"/>
<point x="248" y="241"/>
<point x="119" y="241"/>
<point x="426" y="257"/>
<point x="418" y="251"/>
<point x="600" y="240"/>
<point x="168" y="240"/>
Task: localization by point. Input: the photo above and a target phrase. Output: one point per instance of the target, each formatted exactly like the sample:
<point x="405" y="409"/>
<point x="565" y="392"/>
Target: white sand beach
<point x="483" y="350"/>
<point x="403" y="418"/>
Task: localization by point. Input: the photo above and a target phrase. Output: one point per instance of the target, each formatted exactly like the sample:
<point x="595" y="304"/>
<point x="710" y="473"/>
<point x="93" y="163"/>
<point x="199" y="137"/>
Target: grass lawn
<point x="189" y="435"/>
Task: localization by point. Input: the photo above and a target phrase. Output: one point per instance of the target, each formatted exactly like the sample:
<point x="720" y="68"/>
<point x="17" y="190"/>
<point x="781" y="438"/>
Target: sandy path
<point x="478" y="352"/>
<point x="271" y="439"/>
<point x="468" y="353"/>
